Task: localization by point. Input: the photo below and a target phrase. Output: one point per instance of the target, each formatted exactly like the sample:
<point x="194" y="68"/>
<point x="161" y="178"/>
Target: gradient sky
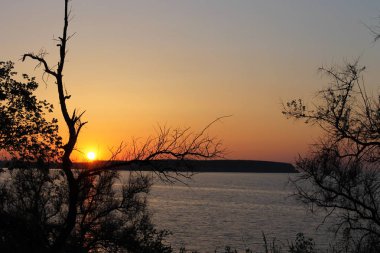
<point x="135" y="64"/>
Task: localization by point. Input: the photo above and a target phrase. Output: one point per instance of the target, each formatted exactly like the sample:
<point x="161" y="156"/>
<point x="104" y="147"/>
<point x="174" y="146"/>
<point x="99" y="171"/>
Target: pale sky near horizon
<point x="135" y="64"/>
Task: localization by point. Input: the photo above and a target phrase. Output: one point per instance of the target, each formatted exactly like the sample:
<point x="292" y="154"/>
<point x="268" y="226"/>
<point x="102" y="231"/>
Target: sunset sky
<point x="134" y="65"/>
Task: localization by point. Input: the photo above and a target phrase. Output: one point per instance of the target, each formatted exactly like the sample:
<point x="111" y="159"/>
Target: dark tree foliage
<point x="341" y="174"/>
<point x="33" y="206"/>
<point x="302" y="245"/>
<point x="113" y="215"/>
<point x="31" y="209"/>
<point x="25" y="132"/>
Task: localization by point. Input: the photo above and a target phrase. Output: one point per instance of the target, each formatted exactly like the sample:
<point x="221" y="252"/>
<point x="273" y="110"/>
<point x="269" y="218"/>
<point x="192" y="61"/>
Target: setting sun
<point x="91" y="156"/>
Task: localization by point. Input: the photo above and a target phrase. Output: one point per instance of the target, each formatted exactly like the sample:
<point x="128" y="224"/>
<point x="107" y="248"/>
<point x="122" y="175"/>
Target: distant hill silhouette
<point x="242" y="166"/>
<point x="247" y="166"/>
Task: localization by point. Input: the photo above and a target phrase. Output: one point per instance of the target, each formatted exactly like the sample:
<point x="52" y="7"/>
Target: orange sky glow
<point x="134" y="65"/>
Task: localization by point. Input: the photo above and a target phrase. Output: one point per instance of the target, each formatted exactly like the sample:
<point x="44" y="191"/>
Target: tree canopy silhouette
<point x="25" y="131"/>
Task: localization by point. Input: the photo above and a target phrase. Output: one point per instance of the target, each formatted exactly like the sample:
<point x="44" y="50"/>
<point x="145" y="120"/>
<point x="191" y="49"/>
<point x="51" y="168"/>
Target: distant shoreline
<point x="251" y="166"/>
<point x="197" y="166"/>
<point x="243" y="166"/>
<point x="209" y="166"/>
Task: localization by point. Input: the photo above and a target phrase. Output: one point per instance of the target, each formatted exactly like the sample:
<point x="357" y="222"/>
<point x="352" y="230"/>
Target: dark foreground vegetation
<point x="74" y="209"/>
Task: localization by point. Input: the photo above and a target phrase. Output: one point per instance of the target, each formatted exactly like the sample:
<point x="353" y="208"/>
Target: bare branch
<point x="40" y="60"/>
<point x="169" y="145"/>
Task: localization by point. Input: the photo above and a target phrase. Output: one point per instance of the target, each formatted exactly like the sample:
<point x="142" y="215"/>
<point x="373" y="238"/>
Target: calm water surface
<point x="218" y="209"/>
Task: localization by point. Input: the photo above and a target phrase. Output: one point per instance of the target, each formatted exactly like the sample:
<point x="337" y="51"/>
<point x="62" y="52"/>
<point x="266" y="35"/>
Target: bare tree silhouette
<point x="341" y="174"/>
<point x="74" y="209"/>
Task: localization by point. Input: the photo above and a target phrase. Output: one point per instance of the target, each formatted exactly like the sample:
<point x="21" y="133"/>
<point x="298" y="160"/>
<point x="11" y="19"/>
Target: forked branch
<point x="170" y="144"/>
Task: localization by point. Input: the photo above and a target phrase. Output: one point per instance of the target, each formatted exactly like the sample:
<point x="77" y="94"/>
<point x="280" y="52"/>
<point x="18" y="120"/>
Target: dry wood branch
<point x="169" y="145"/>
<point x="41" y="61"/>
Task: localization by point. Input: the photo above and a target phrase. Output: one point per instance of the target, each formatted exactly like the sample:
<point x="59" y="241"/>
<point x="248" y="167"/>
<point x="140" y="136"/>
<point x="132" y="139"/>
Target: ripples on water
<point x="219" y="209"/>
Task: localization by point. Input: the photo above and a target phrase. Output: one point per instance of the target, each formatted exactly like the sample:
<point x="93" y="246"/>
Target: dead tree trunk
<point x="74" y="125"/>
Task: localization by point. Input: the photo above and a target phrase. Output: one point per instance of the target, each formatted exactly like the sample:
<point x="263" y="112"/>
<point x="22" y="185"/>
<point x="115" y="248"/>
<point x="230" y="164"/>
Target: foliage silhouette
<point x="341" y="174"/>
<point x="25" y="132"/>
<point x="33" y="209"/>
<point x="302" y="245"/>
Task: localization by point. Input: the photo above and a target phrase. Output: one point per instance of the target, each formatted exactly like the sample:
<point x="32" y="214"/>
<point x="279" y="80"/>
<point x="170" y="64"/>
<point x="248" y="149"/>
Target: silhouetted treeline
<point x="244" y="166"/>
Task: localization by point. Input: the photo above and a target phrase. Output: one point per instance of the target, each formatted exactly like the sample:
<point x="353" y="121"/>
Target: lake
<point x="219" y="209"/>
